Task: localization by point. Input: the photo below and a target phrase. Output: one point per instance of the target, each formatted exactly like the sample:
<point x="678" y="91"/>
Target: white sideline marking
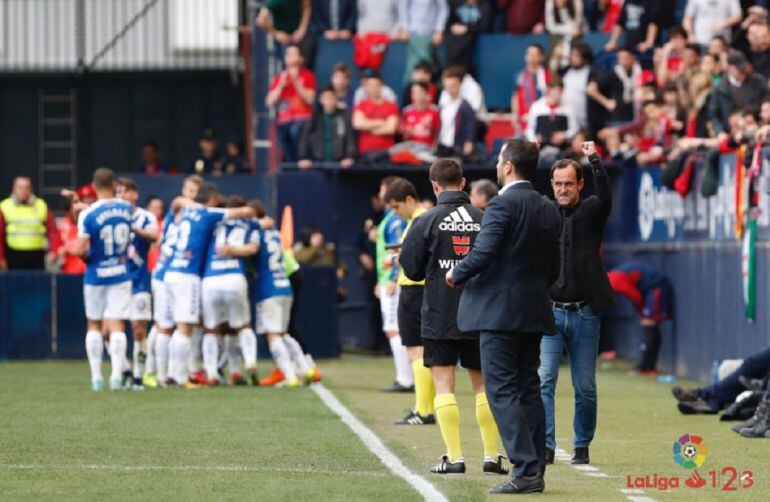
<point x="201" y="468"/>
<point x="594" y="472"/>
<point x="376" y="446"/>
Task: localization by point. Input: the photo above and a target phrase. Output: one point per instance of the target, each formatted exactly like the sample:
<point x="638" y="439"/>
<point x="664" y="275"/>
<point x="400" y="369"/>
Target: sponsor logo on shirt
<point x="461" y="244"/>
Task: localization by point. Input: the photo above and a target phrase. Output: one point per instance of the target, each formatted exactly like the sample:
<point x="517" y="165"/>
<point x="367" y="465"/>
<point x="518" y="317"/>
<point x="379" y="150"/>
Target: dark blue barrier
<point x="25" y="315"/>
<point x="36" y="324"/>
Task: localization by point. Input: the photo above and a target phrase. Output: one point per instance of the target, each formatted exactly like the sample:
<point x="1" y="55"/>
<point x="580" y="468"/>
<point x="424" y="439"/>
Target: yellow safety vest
<point x="25" y="228"/>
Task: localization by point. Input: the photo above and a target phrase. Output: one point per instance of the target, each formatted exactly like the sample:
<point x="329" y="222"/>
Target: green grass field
<point x="60" y="440"/>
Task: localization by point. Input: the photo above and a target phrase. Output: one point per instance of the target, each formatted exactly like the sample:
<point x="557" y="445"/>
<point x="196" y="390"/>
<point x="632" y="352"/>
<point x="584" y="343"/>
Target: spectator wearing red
<point x="531" y="84"/>
<point x="376" y="121"/>
<point x="292" y="92"/>
<point x="523" y="16"/>
<point x="420" y="126"/>
<point x="28" y="234"/>
<point x="421" y="121"/>
<point x="70" y="261"/>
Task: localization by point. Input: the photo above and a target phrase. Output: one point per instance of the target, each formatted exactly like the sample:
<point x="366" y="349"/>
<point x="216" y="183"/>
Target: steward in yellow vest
<point x="26" y="226"/>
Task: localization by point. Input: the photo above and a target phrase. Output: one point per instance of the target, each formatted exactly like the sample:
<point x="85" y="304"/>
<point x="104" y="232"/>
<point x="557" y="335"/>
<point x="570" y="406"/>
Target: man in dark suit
<point x="507" y="276"/>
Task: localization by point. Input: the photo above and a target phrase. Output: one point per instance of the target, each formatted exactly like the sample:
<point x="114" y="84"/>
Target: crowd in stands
<point x="662" y="86"/>
<point x="207" y="160"/>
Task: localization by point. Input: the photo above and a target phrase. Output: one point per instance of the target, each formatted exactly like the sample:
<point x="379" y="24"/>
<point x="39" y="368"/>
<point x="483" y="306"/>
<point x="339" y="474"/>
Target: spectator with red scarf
<point x="650" y="292"/>
<point x="531" y="84"/>
<point x="292" y="92"/>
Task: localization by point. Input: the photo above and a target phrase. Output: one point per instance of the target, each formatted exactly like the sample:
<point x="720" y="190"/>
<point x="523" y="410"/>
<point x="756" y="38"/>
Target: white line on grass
<point x="376" y="446"/>
<point x="201" y="468"/>
<point x="594" y="472"/>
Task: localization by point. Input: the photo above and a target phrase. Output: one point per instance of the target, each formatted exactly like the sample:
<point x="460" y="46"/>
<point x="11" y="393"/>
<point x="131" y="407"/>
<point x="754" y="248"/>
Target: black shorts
<point x="448" y="351"/>
<point x="410" y="315"/>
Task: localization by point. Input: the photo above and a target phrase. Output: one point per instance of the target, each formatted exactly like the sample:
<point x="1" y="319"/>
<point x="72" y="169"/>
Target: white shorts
<point x="184" y="294"/>
<point x="161" y="306"/>
<point x="141" y="306"/>
<point x="108" y="302"/>
<point x="273" y="315"/>
<point x="225" y="298"/>
<point x="389" y="309"/>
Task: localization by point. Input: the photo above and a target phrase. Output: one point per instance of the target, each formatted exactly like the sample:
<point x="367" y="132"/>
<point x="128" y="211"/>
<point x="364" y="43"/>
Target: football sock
<point x="180" y="353"/>
<point x="95" y="349"/>
<point x="194" y="354"/>
<point x="161" y="356"/>
<point x="210" y="354"/>
<point x="401" y="360"/>
<point x="489" y="434"/>
<point x="282" y="359"/>
<point x="295" y="352"/>
<point x="231" y="352"/>
<point x="140" y="354"/>
<point x="424" y="389"/>
<point x="150" y="362"/>
<point x="247" y="339"/>
<point x="117" y="353"/>
<point x="448" y="416"/>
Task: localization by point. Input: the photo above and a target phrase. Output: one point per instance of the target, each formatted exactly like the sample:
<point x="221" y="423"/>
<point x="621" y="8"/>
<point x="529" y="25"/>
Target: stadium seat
<point x="499" y="57"/>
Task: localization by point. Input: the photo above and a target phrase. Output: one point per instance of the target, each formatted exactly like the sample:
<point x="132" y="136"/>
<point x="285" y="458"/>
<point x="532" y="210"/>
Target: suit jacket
<point x="513" y="262"/>
<point x="588" y="220"/>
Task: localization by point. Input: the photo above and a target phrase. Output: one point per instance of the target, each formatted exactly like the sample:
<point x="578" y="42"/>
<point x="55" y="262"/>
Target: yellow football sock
<point x="424" y="389"/>
<point x="487" y="425"/>
<point x="448" y="416"/>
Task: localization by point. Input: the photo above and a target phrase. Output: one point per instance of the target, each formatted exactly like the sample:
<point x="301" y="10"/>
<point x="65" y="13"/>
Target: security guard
<point x="27" y="229"/>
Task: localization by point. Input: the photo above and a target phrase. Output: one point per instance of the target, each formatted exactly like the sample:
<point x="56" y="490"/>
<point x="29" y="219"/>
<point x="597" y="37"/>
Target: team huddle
<point x="197" y="295"/>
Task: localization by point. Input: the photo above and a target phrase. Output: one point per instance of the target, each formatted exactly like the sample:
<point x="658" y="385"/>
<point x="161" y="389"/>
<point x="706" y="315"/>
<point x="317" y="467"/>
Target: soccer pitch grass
<point x="58" y="439"/>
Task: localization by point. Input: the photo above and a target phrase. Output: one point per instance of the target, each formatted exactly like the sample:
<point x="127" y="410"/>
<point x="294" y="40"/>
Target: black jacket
<point x="509" y="269"/>
<point x="343" y="139"/>
<point x="588" y="219"/>
<point x="436" y="242"/>
<point x="723" y="103"/>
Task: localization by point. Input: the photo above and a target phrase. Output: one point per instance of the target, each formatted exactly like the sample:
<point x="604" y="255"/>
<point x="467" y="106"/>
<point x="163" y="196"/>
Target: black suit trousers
<point x="509" y="363"/>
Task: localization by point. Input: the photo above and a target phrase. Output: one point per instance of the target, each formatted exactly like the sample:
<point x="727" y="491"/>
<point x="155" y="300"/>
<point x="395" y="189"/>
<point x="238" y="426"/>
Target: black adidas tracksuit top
<point x="437" y="241"/>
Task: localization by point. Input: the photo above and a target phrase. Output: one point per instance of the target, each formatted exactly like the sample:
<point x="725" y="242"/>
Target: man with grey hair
<point x="481" y="192"/>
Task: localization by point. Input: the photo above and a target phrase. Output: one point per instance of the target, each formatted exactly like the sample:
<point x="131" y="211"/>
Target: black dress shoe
<point x="581" y="456"/>
<point x="697" y="407"/>
<point x="397" y="387"/>
<point x="520" y="484"/>
<point x="684" y="394"/>
<point x="550" y="454"/>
